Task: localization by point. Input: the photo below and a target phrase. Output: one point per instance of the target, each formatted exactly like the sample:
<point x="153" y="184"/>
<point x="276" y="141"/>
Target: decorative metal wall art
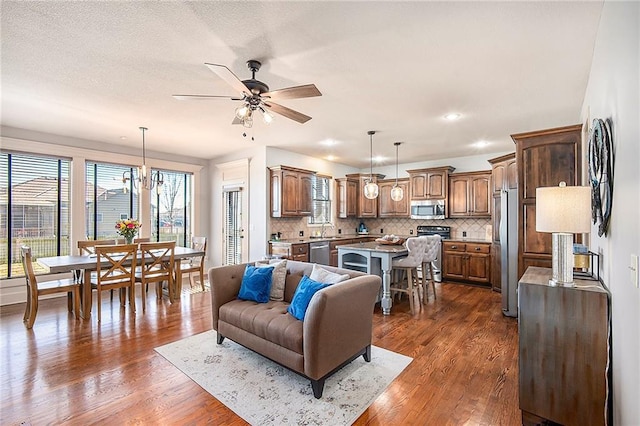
<point x="600" y="158"/>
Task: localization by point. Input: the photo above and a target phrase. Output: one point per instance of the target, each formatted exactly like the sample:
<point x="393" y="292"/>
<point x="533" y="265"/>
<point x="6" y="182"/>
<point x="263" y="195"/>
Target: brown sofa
<point x="336" y="329"/>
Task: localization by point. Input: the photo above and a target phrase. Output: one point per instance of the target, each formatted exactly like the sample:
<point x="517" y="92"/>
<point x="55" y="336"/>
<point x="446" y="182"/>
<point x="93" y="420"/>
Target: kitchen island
<point x="372" y="258"/>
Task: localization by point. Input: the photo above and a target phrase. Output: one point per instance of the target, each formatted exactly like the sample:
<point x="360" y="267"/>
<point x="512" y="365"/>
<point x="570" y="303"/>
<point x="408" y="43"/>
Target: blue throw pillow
<point x="302" y="297"/>
<point x="256" y="284"/>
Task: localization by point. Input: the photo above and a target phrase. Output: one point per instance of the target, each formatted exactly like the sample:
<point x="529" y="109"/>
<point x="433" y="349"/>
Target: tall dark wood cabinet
<point x="564" y="351"/>
<point x="504" y="176"/>
<point x="544" y="158"/>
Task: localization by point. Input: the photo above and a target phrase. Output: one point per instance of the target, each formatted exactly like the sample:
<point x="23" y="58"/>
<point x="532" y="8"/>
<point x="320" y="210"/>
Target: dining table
<point x="88" y="263"/>
<point x="373" y="258"/>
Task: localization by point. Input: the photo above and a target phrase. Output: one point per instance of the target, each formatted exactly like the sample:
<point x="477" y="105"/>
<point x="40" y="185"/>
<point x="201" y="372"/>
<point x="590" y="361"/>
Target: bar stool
<point x="409" y="265"/>
<point x="431" y="253"/>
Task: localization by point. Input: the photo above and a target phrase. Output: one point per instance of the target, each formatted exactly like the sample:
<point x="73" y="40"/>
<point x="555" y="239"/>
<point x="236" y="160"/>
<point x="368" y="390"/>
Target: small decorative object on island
<point x="128" y="228"/>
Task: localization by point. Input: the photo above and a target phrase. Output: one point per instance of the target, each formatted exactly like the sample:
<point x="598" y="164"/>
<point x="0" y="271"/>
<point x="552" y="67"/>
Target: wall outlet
<point x="339" y="231"/>
<point x="464" y="234"/>
<point x="382" y="230"/>
<point x="301" y="233"/>
<point x="633" y="266"/>
<point x="410" y="231"/>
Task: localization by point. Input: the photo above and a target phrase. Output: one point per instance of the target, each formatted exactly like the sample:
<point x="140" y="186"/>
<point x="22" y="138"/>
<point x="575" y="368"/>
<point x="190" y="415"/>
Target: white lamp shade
<point x="563" y="209"/>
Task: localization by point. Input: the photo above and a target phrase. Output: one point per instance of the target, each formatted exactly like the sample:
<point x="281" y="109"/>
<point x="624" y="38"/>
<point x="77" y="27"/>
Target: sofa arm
<point x="225" y="284"/>
<point x="338" y="323"/>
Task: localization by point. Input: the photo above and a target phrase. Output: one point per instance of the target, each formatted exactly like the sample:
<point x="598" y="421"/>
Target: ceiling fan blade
<point x="228" y="76"/>
<point x="306" y="91"/>
<point x="287" y="112"/>
<point x="236" y="120"/>
<point x="203" y="97"/>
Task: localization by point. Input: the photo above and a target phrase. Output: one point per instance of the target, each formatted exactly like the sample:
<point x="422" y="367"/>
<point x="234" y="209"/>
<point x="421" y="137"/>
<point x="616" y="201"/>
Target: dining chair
<point x="88" y="247"/>
<point x="142" y="240"/>
<point x="409" y="266"/>
<point x="156" y="266"/>
<point x="36" y="289"/>
<point x="431" y="254"/>
<point x="117" y="273"/>
<point x="193" y="264"/>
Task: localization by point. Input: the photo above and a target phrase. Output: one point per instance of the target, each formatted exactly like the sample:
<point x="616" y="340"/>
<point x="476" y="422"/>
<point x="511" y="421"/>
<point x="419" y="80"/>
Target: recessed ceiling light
<point x="481" y="144"/>
<point x="453" y="116"/>
<point x="378" y="159"/>
<point x="123" y="137"/>
<point x="329" y="142"/>
<point x="330" y="157"/>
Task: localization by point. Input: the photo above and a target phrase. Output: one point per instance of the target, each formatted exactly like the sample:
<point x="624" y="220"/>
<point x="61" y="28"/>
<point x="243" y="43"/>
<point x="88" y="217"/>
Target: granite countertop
<point x="301" y="240"/>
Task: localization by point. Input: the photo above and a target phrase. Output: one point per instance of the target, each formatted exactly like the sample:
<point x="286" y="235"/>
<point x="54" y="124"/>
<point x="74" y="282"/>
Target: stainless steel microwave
<point x="427" y="209"/>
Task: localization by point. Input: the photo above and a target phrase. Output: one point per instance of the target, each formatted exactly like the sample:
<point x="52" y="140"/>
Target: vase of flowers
<point x="128" y="228"/>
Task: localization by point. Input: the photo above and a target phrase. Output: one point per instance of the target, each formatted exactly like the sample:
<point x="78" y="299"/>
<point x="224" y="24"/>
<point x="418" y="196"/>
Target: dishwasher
<point x="319" y="252"/>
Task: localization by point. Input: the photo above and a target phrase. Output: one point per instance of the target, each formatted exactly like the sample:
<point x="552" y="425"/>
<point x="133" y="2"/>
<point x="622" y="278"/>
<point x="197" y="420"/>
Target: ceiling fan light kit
<point x="371" y="188"/>
<point x="256" y="96"/>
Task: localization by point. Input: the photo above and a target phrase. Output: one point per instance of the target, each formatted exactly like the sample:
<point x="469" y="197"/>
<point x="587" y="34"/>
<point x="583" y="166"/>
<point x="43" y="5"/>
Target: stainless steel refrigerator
<point x="509" y="251"/>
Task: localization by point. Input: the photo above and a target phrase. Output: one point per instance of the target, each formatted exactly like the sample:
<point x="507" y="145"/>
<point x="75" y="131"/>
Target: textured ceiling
<point x="99" y="70"/>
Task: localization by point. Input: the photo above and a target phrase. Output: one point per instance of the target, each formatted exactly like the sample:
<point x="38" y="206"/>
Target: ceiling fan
<point x="256" y="96"/>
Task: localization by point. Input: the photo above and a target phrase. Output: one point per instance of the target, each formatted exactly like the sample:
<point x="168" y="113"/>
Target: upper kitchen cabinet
<point x="387" y="206"/>
<point x="429" y="184"/>
<point x="470" y="194"/>
<point x="544" y="158"/>
<point x="347" y="196"/>
<point x="291" y="192"/>
<point x="365" y="207"/>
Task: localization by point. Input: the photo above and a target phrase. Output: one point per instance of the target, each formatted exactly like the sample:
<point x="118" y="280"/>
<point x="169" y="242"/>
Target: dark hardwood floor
<point x="464" y="371"/>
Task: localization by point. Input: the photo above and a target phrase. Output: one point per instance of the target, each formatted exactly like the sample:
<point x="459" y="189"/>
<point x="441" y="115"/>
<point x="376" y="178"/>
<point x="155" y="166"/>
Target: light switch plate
<point x="633" y="266"/>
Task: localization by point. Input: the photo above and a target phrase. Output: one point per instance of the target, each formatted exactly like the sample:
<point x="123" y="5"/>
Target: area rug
<point x="263" y="392"/>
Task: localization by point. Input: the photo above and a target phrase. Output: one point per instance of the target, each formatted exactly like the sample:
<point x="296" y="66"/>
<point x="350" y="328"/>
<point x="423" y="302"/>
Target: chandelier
<point x="371" y="188"/>
<point x="140" y="177"/>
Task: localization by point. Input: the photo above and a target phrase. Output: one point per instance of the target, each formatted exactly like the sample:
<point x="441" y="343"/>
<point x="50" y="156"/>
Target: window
<point x="321" y="206"/>
<point x="106" y="201"/>
<point x="34" y="209"/>
<point x="232" y="228"/>
<point x="171" y="208"/>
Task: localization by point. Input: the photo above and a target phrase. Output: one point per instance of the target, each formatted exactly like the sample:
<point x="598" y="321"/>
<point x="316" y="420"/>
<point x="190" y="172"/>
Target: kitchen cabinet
<point x="466" y="261"/>
<point x="504" y="176"/>
<point x="365" y="207"/>
<point x="544" y="158"/>
<point x="429" y="184"/>
<point x="470" y="194"/>
<point x="564" y="351"/>
<point x="291" y="192"/>
<point x="347" y="197"/>
<point x="389" y="208"/>
<point x="291" y="251"/>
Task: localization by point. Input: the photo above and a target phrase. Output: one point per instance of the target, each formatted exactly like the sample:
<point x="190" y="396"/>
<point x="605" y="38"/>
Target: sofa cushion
<point x="321" y="275"/>
<point x="256" y="284"/>
<point x="278" y="277"/>
<point x="269" y="321"/>
<point x="305" y="291"/>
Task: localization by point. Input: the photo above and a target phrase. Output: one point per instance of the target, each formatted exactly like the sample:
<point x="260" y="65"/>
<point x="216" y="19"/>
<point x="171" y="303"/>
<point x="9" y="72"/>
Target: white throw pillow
<point x="321" y="275"/>
<point x="278" y="277"/>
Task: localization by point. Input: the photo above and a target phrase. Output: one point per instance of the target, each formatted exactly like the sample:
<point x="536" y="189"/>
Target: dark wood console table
<point x="564" y="339"/>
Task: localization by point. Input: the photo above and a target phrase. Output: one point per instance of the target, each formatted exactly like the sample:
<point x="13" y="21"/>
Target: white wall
<point x="613" y="92"/>
<point x="472" y="163"/>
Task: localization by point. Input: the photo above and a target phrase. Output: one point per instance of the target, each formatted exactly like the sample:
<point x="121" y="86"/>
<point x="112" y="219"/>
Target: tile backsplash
<point x="475" y="228"/>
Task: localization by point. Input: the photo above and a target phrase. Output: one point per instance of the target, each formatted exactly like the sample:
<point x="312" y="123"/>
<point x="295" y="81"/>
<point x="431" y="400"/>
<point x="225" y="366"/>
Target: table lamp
<point x="563" y="210"/>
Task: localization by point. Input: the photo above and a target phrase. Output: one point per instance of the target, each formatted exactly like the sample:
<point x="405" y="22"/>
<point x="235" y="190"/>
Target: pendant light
<point x="139" y="176"/>
<point x="371" y="188"/>
<point x="396" y="192"/>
